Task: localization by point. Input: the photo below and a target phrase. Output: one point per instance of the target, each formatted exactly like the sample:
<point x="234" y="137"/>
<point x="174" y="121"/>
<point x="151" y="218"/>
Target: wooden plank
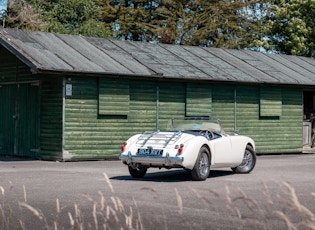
<point x="51" y="118"/>
<point x="198" y="99"/>
<point x="270" y="101"/>
<point x="113" y="96"/>
<point x="90" y="136"/>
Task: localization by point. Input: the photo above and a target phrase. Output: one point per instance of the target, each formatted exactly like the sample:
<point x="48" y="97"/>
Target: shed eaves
<point x="43" y="51"/>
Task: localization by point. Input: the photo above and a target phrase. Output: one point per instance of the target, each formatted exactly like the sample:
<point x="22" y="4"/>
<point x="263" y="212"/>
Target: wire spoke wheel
<point x="247" y="160"/>
<point x="201" y="169"/>
<point x="204" y="164"/>
<point x="248" y="163"/>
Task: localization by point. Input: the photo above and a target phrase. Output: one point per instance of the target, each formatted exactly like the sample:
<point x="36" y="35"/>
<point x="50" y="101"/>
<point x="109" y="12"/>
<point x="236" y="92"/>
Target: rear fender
<point x="191" y="150"/>
<point x="131" y="146"/>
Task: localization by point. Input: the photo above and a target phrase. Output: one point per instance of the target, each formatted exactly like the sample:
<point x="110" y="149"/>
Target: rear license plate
<point x="152" y="152"/>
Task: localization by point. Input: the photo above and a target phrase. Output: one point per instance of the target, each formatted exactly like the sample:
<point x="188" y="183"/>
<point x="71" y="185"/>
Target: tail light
<point x="180" y="149"/>
<point x="123" y="146"/>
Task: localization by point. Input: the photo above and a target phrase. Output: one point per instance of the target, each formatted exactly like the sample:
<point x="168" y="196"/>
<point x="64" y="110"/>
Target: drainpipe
<point x="63" y="118"/>
<point x="16" y="110"/>
<point x="235" y="121"/>
<point x="157" y="107"/>
<point x="16" y="120"/>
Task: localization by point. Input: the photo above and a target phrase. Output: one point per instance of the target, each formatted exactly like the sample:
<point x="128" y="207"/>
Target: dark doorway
<point x="309" y="121"/>
<point x="309" y="104"/>
<point x="19" y="119"/>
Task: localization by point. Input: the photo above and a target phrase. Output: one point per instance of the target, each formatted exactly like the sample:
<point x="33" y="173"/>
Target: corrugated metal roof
<point x="43" y="51"/>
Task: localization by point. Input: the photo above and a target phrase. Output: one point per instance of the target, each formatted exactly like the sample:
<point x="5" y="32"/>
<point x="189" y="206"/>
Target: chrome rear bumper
<point x="151" y="160"/>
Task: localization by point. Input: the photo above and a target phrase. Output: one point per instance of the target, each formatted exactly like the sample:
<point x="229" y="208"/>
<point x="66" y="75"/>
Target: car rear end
<point x="155" y="149"/>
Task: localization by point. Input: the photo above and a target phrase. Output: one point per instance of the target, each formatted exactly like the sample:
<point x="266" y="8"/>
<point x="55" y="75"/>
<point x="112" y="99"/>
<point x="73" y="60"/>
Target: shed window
<point x="198" y="100"/>
<point x="113" y="97"/>
<point x="270" y="102"/>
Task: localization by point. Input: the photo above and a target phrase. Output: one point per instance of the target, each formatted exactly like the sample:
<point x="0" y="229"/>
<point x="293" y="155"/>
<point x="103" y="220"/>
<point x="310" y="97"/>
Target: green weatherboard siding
<point x="92" y="130"/>
<point x="275" y="133"/>
<point x="198" y="100"/>
<point x="51" y="118"/>
<point x="19" y="108"/>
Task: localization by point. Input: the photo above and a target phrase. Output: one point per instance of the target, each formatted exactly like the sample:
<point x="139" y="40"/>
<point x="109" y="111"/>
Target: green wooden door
<point x="7" y="122"/>
<point x="19" y="120"/>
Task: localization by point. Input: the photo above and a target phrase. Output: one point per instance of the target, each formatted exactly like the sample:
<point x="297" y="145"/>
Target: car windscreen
<point x="182" y="124"/>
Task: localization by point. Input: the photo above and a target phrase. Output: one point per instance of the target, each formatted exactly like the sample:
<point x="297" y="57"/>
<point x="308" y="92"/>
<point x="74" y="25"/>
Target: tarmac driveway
<point x="100" y="194"/>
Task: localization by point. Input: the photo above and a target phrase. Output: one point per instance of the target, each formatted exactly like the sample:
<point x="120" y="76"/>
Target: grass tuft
<point x="281" y="210"/>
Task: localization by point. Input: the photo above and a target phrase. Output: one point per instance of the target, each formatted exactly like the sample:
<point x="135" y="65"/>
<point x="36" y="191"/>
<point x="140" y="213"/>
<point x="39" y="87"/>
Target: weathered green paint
<point x="89" y="135"/>
<point x="7" y="123"/>
<point x="19" y="119"/>
<point x="198" y="100"/>
<point x="38" y="119"/>
<point x="113" y="97"/>
<point x="276" y="134"/>
<point x="12" y="70"/>
<point x="171" y="102"/>
<point x="143" y="108"/>
<point x="270" y="101"/>
<point x="19" y="108"/>
<point x="27" y="131"/>
<point x="51" y="118"/>
<point x="223" y="106"/>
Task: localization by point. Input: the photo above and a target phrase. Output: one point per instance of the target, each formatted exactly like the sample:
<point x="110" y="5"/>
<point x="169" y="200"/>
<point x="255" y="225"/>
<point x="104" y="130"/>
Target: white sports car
<point x="194" y="145"/>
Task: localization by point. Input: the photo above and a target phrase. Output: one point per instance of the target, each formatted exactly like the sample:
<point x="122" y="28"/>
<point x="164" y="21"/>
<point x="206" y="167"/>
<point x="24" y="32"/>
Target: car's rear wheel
<point x="201" y="169"/>
<point x="248" y="163"/>
<point x="137" y="172"/>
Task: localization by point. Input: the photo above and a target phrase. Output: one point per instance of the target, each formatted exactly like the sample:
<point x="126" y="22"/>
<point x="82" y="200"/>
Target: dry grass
<point x="282" y="210"/>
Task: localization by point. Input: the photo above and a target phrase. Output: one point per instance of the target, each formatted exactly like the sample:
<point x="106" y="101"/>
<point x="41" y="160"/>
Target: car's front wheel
<point x="248" y="163"/>
<point x="201" y="169"/>
<point x="137" y="172"/>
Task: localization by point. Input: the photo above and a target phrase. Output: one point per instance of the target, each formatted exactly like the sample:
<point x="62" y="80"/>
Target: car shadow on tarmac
<point x="172" y="176"/>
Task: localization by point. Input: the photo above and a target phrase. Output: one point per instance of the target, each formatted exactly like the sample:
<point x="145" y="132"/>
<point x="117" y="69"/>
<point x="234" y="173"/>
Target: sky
<point x="3" y="6"/>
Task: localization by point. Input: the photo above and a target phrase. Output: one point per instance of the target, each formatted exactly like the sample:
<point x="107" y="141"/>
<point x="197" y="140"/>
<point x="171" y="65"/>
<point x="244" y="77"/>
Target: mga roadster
<point x="194" y="145"/>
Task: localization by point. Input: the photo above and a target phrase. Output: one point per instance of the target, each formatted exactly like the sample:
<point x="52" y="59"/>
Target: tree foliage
<point x="291" y="27"/>
<point x="285" y="26"/>
<point x="22" y="15"/>
<point x="230" y="24"/>
<point x="79" y="17"/>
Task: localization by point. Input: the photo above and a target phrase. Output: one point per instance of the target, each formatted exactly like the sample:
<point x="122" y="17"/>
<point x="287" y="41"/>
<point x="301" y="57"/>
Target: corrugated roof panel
<point x="157" y="53"/>
<point x="227" y="62"/>
<point x="310" y="61"/>
<point x="121" y="56"/>
<point x="293" y="65"/>
<point x="101" y="61"/>
<point x="158" y="59"/>
<point x="29" y="48"/>
<point x="138" y="47"/>
<point x="291" y="70"/>
<point x="49" y="60"/>
<point x="68" y="53"/>
<point x="261" y="66"/>
<point x="237" y="60"/>
<point x="270" y="67"/>
<point x="144" y="57"/>
<point x="303" y="62"/>
<point x="197" y="63"/>
<point x="242" y="54"/>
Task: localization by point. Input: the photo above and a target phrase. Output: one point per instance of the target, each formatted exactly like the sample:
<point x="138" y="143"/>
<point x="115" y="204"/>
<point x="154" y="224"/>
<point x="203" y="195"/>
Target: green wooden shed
<point x="65" y="97"/>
